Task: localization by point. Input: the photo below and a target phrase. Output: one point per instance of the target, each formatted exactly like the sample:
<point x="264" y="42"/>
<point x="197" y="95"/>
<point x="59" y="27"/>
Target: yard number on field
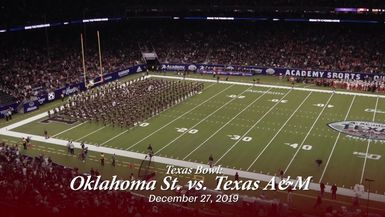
<point x="238" y="137"/>
<point x="144" y="124"/>
<point x="236" y="96"/>
<point x="277" y="100"/>
<point x="369" y="156"/>
<point x="295" y="146"/>
<point x="184" y="130"/>
<point x="323" y="105"/>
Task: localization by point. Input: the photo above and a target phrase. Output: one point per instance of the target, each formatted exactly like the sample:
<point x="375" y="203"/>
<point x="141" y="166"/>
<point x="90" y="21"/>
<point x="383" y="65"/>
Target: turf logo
<point x="362" y="129"/>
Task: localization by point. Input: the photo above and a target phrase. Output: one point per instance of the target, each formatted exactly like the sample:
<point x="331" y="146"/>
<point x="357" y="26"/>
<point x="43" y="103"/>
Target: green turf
<point x="258" y="118"/>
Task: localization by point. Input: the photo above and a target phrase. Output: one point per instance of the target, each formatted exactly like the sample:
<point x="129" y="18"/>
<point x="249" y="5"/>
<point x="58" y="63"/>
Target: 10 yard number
<point x="295" y="146"/>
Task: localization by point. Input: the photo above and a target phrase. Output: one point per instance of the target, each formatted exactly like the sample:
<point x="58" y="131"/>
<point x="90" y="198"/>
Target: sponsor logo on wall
<point x="51" y="96"/>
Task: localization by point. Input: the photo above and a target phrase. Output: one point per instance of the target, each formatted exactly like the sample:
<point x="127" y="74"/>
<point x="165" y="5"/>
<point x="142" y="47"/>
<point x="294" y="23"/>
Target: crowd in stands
<point x="38" y="184"/>
<point x="27" y="69"/>
<point x="334" y="48"/>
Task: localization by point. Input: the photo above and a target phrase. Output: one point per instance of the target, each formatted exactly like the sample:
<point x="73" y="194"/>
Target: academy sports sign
<point x="362" y="129"/>
<point x="253" y="70"/>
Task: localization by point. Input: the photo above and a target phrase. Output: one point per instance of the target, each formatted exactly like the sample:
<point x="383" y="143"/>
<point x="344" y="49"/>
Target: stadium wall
<point x="255" y="70"/>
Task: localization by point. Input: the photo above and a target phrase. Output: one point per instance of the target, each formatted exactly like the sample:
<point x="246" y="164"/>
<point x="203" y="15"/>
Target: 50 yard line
<point x="367" y="148"/>
<point x="223" y="126"/>
<point x="255" y="124"/>
<point x="335" y="143"/>
<point x="308" y="133"/>
<point x="228" y="102"/>
<point x="280" y="129"/>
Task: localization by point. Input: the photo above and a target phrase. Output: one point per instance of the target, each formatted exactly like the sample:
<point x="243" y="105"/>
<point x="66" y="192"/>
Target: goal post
<point x="91" y="82"/>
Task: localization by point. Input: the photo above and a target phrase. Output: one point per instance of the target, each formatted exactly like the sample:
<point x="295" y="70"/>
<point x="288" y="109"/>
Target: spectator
<point x="101" y="159"/>
<point x="322" y="189"/>
<point x="334" y="191"/>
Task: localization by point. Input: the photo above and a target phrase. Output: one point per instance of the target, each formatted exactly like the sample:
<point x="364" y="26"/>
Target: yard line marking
<point x="335" y="143"/>
<point x="205" y="118"/>
<point x="308" y="133"/>
<point x="255" y="124"/>
<point x="226" y="124"/>
<point x="97" y="130"/>
<point x="69" y="129"/>
<point x="280" y="129"/>
<point x="114" y="137"/>
<point x="200" y="104"/>
<point x="273" y="86"/>
<point x="369" y="140"/>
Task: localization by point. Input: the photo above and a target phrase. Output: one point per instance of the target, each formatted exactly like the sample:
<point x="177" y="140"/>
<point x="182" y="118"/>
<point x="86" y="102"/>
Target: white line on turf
<point x="205" y="118"/>
<point x="335" y="143"/>
<point x="368" y="146"/>
<point x="180" y="163"/>
<point x="116" y="136"/>
<point x="224" y="125"/>
<point x="182" y="115"/>
<point x="97" y="130"/>
<point x="308" y="133"/>
<point x="255" y="124"/>
<point x="280" y="129"/>
<point x="69" y="129"/>
<point x="273" y="86"/>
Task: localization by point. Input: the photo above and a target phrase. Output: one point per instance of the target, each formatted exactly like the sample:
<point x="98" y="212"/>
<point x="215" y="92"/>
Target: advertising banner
<point x="4" y="109"/>
<point x="31" y="106"/>
<point x="254" y="70"/>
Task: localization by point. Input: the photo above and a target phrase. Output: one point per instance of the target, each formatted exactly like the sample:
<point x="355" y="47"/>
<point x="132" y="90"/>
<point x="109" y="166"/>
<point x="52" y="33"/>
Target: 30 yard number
<point x="238" y="137"/>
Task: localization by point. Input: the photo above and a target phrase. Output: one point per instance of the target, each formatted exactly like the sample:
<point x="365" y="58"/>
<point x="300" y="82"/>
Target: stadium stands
<point x="28" y="69"/>
<point x="39" y="184"/>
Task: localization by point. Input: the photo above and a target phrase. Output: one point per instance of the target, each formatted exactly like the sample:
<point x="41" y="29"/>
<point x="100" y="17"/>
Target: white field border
<point x="226" y="171"/>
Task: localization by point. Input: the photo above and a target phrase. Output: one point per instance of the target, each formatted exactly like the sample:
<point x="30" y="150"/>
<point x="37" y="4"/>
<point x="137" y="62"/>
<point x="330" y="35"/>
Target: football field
<point x="255" y="128"/>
